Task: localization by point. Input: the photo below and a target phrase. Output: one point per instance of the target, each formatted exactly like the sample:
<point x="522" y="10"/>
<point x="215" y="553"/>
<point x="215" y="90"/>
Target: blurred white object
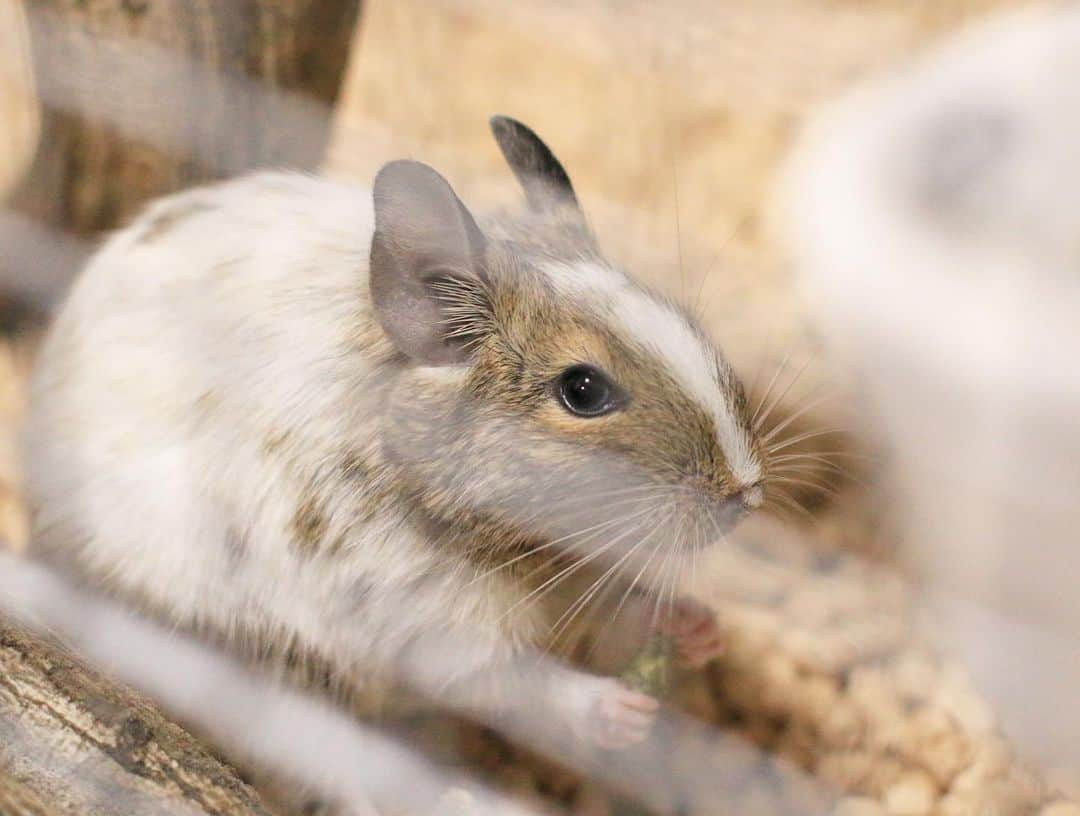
<point x="934" y="218"/>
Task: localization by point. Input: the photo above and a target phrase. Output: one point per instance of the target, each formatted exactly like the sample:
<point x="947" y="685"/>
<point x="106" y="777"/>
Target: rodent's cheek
<point x="616" y="442"/>
<point x="424" y="409"/>
<point x="431" y="381"/>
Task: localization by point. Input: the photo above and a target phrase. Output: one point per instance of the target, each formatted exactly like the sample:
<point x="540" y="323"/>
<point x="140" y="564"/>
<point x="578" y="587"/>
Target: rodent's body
<point x="204" y="437"/>
<point x="280" y="413"/>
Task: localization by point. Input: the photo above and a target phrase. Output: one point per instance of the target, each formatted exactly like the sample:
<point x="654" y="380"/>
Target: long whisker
<point x="780" y="510"/>
<point x="780" y="396"/>
<point x="566" y="572"/>
<point x="694" y="555"/>
<point x="809" y="406"/>
<point x="824" y="467"/>
<point x="590" y="499"/>
<point x="582" y="538"/>
<point x="675" y="560"/>
<point x="787" y="443"/>
<point x="678" y="219"/>
<point x="634" y="583"/>
<point x="808" y="467"/>
<point x="803" y="457"/>
<point x="555" y="542"/>
<point x="847" y="454"/>
<point x="790" y="503"/>
<point x="580" y="604"/>
<point x="805" y="483"/>
<point x="537" y="593"/>
<point x="772" y="383"/>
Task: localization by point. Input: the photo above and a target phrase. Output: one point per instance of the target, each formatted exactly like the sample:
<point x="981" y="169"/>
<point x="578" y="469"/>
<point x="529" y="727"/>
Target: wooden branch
<point x="72" y="741"/>
<point x="17" y="797"/>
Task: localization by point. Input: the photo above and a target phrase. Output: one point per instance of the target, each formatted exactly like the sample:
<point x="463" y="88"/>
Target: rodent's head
<point x="549" y="395"/>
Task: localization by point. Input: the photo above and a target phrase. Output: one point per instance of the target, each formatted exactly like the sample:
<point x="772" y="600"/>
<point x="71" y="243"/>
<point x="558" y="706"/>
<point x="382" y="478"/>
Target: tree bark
<point x="143" y="97"/>
<point x="72" y="742"/>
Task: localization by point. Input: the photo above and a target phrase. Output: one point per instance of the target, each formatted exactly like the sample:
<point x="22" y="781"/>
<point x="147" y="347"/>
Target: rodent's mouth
<point x="729" y="514"/>
<point x="715" y="518"/>
<point x="702" y="527"/>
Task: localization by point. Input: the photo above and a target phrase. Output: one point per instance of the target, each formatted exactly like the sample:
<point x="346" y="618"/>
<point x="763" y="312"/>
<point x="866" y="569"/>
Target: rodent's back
<point x="243" y="285"/>
<point x="220" y="322"/>
<point x="203" y="436"/>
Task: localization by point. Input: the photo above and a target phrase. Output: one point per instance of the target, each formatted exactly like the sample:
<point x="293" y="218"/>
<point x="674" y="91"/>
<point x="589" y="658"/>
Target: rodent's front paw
<point x="609" y="715"/>
<point x="695" y="631"/>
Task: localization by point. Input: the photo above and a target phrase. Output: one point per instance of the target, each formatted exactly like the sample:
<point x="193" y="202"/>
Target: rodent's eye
<point x="586" y="392"/>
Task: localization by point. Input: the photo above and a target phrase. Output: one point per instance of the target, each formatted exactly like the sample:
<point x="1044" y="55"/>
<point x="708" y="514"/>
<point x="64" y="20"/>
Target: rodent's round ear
<point x="541" y="175"/>
<point x="427" y="280"/>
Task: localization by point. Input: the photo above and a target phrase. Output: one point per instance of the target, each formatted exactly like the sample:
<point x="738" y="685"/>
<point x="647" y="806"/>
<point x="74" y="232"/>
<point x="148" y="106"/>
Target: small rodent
<point x="345" y="429"/>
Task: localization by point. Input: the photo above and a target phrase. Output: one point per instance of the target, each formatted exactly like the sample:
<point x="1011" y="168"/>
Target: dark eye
<point x="586" y="392"/>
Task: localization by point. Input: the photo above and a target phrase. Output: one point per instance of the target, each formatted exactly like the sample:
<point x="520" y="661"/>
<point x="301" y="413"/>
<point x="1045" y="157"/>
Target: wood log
<point x="72" y="741"/>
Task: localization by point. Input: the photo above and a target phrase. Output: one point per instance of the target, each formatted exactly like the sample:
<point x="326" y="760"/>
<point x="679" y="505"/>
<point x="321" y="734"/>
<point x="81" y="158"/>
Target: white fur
<point x="176" y="356"/>
<point x="662" y="331"/>
<point x="226" y="318"/>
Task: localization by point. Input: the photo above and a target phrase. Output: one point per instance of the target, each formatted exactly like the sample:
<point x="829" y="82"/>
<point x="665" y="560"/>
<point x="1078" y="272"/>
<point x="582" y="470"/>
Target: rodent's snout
<point x="730" y="510"/>
<point x="738" y="502"/>
<point x="738" y="505"/>
<point x="752" y="497"/>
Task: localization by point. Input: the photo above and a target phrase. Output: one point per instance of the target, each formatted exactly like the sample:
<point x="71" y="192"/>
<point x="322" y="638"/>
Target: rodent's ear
<point x="427" y="280"/>
<point x="540" y="174"/>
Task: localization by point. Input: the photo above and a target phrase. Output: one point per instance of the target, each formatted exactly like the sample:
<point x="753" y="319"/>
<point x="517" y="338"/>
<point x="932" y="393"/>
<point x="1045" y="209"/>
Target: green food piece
<point x="650" y="671"/>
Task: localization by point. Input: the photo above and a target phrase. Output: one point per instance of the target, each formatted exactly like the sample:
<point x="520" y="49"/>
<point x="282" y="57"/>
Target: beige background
<point x="667" y="113"/>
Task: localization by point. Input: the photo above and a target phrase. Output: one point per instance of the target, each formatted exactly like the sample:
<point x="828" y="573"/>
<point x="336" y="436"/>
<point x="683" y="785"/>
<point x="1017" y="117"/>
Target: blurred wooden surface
<point x="18" y="108"/>
<point x="137" y="98"/>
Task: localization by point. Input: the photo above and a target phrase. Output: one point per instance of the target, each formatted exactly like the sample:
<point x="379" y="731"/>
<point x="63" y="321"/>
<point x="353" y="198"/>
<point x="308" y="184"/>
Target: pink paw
<point x="697" y="636"/>
<point x="609" y="715"/>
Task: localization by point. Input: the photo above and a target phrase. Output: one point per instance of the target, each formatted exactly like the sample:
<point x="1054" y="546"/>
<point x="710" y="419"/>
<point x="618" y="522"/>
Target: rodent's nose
<point x="731" y="507"/>
<point x="752" y="497"/>
<point x="737" y="505"/>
